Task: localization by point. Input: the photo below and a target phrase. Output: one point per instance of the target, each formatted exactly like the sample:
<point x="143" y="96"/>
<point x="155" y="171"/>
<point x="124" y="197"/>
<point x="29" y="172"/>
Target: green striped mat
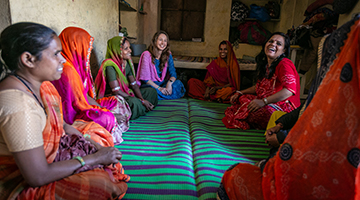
<point x="181" y="149"/>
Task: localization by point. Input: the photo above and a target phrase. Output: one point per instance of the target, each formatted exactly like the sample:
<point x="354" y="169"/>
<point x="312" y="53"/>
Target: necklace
<point x="28" y="87"/>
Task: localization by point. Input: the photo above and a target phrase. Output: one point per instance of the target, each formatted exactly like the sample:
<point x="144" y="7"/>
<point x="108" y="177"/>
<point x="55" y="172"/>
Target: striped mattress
<point x="181" y="149"/>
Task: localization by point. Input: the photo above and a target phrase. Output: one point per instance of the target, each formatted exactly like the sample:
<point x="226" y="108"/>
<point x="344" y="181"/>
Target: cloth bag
<point x="259" y="13"/>
<point x="239" y="11"/>
<point x="252" y="32"/>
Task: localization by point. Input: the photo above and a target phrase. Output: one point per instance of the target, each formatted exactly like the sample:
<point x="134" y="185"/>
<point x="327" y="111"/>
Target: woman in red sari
<point x="41" y="157"/>
<point x="222" y="77"/>
<point x="277" y="88"/>
<point x="319" y="158"/>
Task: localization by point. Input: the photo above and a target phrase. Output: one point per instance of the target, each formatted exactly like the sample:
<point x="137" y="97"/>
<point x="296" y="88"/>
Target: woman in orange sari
<point x="41" y="157"/>
<point x="319" y="158"/>
<point x="77" y="90"/>
<point x="222" y="77"/>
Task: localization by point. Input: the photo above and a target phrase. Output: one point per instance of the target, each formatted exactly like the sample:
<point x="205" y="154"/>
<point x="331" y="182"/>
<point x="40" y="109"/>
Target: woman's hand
<point x="164" y="91"/>
<point x="120" y="118"/>
<point x="207" y="94"/>
<point x="255" y="104"/>
<point x="234" y="98"/>
<point x="169" y="88"/>
<point x="148" y="105"/>
<point x="272" y="140"/>
<point x="213" y="90"/>
<point x="273" y="130"/>
<point x="107" y="155"/>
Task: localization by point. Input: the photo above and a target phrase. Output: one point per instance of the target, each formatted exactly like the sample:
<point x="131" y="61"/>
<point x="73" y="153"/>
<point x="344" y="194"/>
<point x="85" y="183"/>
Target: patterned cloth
<point x="319" y="158"/>
<point x="100" y="182"/>
<point x="219" y="73"/>
<point x="76" y="84"/>
<point x="285" y="76"/>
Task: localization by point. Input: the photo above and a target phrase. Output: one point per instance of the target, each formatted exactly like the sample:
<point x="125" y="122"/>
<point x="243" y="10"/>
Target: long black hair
<point x="261" y="59"/>
<point x="23" y="37"/>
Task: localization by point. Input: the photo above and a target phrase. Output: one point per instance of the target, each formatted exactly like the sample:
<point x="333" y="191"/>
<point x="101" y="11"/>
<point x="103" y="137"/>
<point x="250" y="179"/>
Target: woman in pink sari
<point x="76" y="87"/>
<point x="277" y="88"/>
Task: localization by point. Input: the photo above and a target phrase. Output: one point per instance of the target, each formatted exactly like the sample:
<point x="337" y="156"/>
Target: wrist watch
<point x="265" y="101"/>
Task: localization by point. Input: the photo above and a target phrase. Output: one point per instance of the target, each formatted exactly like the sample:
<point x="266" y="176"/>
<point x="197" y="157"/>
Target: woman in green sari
<point x="117" y="77"/>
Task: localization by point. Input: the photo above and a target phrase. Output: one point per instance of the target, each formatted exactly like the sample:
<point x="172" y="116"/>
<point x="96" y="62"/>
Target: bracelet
<point x="171" y="80"/>
<point x="80" y="159"/>
<point x="116" y="89"/>
<point x="158" y="87"/>
<point x="265" y="101"/>
<point x="133" y="83"/>
<point x="87" y="136"/>
<point x="238" y="91"/>
<point x="142" y="101"/>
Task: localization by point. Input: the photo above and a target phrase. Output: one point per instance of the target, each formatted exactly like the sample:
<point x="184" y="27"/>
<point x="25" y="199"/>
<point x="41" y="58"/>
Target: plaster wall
<point x="130" y="20"/>
<point x="99" y="18"/>
<point x="217" y="23"/>
<point x="343" y="18"/>
<point x="5" y="18"/>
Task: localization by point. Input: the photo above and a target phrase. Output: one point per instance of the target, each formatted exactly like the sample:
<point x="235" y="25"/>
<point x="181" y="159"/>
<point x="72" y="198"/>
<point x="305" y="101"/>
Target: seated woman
<point x="76" y="87"/>
<point x="39" y="157"/>
<point x="319" y="158"/>
<point x="156" y="69"/>
<point x="281" y="123"/>
<point x="117" y="77"/>
<point x="222" y="77"/>
<point x="277" y="88"/>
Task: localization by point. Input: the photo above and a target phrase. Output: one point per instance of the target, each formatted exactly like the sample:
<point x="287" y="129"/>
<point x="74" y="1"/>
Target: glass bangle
<point x="80" y="159"/>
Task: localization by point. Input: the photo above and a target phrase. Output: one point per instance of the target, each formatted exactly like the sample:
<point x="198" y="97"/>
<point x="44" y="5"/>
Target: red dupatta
<point x="222" y="73"/>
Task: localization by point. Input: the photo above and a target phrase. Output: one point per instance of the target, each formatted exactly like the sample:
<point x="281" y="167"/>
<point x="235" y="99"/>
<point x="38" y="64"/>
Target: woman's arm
<point x="215" y="88"/>
<point x="235" y="96"/>
<point x="279" y="96"/>
<point x="150" y="82"/>
<point x="138" y="94"/>
<point x="250" y="90"/>
<point x="37" y="172"/>
<point x="92" y="101"/>
<point x="162" y="89"/>
<point x="115" y="89"/>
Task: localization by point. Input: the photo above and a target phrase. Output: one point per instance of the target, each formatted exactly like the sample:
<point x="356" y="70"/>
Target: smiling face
<point x="161" y="42"/>
<point x="50" y="66"/>
<point x="274" y="47"/>
<point x="126" y="51"/>
<point x="223" y="51"/>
